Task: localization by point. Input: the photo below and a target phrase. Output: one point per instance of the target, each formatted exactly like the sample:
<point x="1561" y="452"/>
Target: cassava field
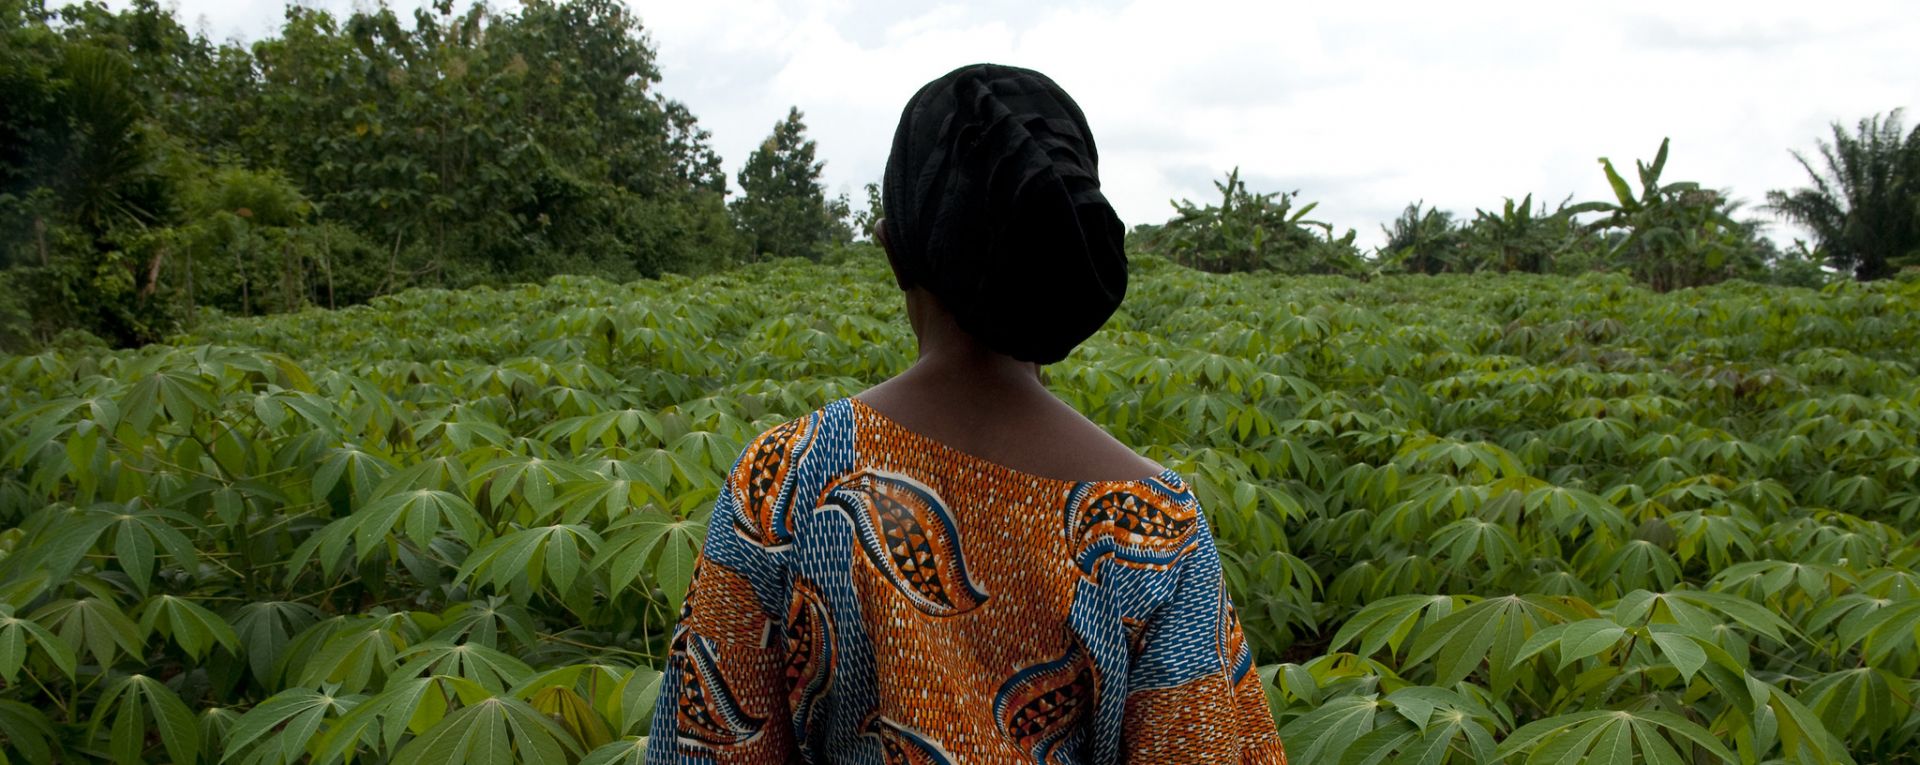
<point x="1468" y="519"/>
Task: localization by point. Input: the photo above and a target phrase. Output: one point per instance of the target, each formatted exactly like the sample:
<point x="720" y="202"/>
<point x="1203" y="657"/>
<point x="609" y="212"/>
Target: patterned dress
<point x="870" y="595"/>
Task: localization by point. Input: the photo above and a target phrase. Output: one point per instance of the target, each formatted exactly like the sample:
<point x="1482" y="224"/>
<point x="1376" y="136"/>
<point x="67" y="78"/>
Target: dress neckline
<point x="1166" y="475"/>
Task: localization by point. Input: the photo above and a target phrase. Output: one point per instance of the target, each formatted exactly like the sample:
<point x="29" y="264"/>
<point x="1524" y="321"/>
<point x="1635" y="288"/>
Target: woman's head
<point x="993" y="206"/>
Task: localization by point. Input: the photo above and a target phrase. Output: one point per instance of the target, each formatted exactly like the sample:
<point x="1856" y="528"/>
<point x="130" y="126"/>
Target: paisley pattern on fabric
<point x="1042" y="705"/>
<point x="809" y="659"/>
<point x="900" y="745"/>
<point x="765" y="486"/>
<point x="911" y="539"/>
<point x="708" y="715"/>
<point x="1150" y="529"/>
<point x="869" y="595"/>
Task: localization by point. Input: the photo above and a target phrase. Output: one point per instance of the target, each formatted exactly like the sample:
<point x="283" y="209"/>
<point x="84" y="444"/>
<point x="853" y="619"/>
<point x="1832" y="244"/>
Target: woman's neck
<point x="950" y="356"/>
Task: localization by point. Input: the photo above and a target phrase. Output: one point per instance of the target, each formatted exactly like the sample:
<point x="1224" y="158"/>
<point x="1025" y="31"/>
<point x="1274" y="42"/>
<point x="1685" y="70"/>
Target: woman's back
<point x="879" y="586"/>
<point x="870" y="594"/>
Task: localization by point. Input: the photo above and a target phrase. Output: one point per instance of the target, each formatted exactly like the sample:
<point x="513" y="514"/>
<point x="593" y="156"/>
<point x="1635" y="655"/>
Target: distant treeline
<point x="150" y="177"/>
<point x="146" y="171"/>
<point x="1862" y="207"/>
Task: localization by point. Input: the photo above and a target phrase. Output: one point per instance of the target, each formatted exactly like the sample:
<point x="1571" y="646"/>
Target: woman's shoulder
<point x="780" y="461"/>
<point x="779" y="445"/>
<point x="824" y="440"/>
<point x="1163" y="501"/>
<point x="1045" y="444"/>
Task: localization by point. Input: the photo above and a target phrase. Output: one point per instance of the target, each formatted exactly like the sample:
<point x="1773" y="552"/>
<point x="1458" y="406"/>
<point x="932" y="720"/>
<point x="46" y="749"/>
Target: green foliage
<point x="1864" y="204"/>
<point x="783" y="211"/>
<point x="1250" y="232"/>
<point x="863" y="221"/>
<point x="1467" y="518"/>
<point x="80" y="184"/>
<point x="1423" y="242"/>
<point x="1677" y="234"/>
<point x="1796" y="266"/>
<point x="1520" y="238"/>
<point x="147" y="172"/>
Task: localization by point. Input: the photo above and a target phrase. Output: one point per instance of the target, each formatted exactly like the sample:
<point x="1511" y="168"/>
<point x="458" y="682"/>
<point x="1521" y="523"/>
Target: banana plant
<point x="1677" y="234"/>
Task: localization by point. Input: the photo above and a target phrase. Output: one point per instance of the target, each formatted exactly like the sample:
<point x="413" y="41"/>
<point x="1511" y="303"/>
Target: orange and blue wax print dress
<point x="870" y="595"/>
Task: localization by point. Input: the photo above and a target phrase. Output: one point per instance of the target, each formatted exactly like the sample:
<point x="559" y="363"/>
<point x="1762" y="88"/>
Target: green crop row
<point x="1467" y="519"/>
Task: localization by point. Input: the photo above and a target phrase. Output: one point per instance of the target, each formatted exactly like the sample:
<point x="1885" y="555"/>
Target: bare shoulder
<point x="1106" y="455"/>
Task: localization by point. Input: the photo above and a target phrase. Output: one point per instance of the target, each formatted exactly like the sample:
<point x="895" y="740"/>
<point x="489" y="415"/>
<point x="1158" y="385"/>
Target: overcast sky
<point x="1362" y="106"/>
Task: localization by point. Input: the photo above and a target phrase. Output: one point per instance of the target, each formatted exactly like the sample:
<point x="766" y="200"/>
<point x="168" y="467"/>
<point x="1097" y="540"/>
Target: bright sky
<point x="1361" y="105"/>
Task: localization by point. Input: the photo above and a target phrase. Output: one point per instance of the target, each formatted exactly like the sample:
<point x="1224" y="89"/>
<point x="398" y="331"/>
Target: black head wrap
<point x="993" y="204"/>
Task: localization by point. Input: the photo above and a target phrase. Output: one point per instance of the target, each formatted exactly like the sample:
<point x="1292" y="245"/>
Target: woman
<point x="954" y="566"/>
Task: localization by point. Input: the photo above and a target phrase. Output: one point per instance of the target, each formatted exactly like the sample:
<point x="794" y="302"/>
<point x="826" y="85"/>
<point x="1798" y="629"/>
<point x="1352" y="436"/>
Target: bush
<point x="1250" y="232"/>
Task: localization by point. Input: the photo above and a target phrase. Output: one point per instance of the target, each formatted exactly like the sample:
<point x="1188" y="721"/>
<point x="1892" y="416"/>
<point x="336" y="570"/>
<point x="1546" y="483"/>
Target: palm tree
<point x="105" y="175"/>
<point x="1422" y="241"/>
<point x="1864" y="205"/>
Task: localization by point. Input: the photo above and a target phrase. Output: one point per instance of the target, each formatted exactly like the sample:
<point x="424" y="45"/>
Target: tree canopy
<point x="450" y="148"/>
<point x="783" y="210"/>
<point x="1863" y="204"/>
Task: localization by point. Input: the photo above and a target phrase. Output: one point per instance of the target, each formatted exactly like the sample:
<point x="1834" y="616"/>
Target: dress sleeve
<point x="1193" y="694"/>
<point x="723" y="694"/>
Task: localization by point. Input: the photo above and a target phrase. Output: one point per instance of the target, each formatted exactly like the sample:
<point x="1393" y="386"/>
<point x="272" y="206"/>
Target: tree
<point x="81" y="191"/>
<point x="1522" y="237"/>
<point x="1250" y="232"/>
<point x="865" y="220"/>
<point x="1423" y="242"/>
<point x="431" y="147"/>
<point x="694" y="159"/>
<point x="782" y="210"/>
<point x="1677" y="234"/>
<point x="1864" y="205"/>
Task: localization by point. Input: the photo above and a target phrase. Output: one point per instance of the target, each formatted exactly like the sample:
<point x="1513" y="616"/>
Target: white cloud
<point x="1363" y="106"/>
